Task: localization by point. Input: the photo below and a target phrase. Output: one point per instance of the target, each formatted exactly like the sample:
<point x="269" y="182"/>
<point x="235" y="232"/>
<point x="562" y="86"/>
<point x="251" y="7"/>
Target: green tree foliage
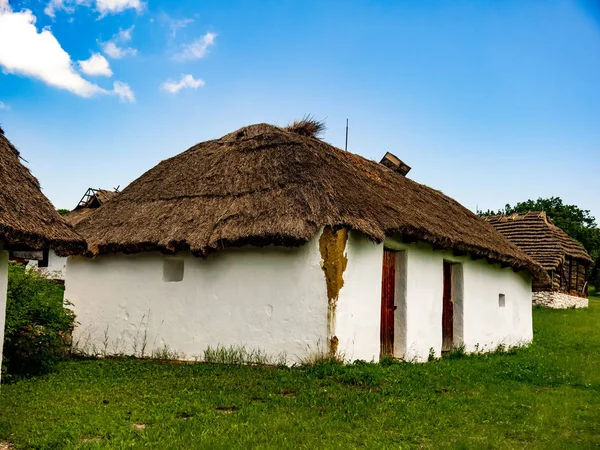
<point x="63" y="211"/>
<point x="38" y="325"/>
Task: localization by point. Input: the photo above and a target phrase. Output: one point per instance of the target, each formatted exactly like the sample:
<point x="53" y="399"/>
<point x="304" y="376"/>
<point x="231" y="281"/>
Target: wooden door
<point x="388" y="293"/>
<point x="447" y="310"/>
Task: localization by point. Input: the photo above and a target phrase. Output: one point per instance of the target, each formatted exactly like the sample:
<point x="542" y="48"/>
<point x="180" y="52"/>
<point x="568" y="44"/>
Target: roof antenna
<point x="346" y="147"/>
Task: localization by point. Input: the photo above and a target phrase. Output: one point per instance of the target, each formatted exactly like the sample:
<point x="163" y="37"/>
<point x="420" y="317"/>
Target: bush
<point x="38" y="326"/>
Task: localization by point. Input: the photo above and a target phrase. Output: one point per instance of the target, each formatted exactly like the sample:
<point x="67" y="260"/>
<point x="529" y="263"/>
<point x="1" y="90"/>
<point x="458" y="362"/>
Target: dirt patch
<point x="226" y="409"/>
<point x="5" y="445"/>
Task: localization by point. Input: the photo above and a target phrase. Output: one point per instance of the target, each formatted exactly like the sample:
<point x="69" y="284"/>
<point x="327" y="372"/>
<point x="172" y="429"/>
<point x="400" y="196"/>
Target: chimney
<point x="395" y="163"/>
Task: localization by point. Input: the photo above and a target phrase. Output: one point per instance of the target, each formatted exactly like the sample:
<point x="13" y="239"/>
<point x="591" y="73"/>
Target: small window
<point x="172" y="270"/>
<point x="501" y="300"/>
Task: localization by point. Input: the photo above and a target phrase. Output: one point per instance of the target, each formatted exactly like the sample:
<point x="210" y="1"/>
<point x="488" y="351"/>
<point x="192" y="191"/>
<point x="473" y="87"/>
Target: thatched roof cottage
<point x="272" y="239"/>
<point x="564" y="259"/>
<point x="28" y="221"/>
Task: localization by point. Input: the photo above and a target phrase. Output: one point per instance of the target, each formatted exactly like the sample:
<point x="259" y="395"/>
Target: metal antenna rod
<point x="346" y="147"/>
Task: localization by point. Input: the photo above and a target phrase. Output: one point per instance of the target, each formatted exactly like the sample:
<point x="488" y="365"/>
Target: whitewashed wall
<point x="479" y="322"/>
<point x="486" y="324"/>
<point x="3" y="287"/>
<point x="273" y="299"/>
<point x="57" y="266"/>
<point x="359" y="305"/>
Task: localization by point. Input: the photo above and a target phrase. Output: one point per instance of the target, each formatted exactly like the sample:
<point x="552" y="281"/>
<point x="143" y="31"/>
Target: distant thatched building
<point x="565" y="259"/>
<point x="28" y="220"/>
<point x="90" y="202"/>
<point x="271" y="238"/>
<point x="54" y="264"/>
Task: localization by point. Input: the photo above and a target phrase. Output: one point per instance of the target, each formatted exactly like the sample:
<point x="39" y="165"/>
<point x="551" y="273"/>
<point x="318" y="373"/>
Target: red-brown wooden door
<point x="447" y="310"/>
<point x="388" y="292"/>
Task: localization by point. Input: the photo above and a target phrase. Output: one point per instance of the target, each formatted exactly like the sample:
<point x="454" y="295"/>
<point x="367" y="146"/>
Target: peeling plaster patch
<point x="332" y="245"/>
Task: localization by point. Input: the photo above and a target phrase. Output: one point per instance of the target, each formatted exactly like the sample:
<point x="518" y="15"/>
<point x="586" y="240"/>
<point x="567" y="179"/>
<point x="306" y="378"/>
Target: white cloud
<point x="112" y="49"/>
<point x="104" y="7"/>
<point x="178" y="24"/>
<point x="116" y="52"/>
<point x="198" y="48"/>
<point x="4" y="106"/>
<point x="123" y="91"/>
<point x="116" y="6"/>
<point x="186" y="81"/>
<point x="67" y="6"/>
<point x="96" y="65"/>
<point x="39" y="55"/>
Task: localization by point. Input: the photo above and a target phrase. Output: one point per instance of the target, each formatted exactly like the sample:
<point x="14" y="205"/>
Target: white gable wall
<point x="3" y="287"/>
<point x="486" y="324"/>
<point x="272" y="299"/>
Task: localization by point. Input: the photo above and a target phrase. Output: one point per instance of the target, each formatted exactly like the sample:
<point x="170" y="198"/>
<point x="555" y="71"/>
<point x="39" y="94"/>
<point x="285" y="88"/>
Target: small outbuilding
<point x="564" y="259"/>
<point x="28" y="221"/>
<point x="271" y="239"/>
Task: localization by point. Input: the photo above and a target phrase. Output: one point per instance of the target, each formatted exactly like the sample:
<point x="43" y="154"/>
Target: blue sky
<point x="488" y="101"/>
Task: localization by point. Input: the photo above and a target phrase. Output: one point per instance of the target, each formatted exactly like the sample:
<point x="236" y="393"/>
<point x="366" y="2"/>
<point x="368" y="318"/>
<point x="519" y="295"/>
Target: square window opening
<point x="173" y="270"/>
<point x="501" y="300"/>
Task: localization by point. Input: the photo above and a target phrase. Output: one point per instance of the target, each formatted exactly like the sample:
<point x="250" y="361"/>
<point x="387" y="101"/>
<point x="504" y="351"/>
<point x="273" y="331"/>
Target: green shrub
<point x="38" y="326"/>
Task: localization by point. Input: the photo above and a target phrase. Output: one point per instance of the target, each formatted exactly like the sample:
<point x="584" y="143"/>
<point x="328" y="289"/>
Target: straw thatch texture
<point x="97" y="199"/>
<point x="537" y="236"/>
<point x="27" y="218"/>
<point x="266" y="185"/>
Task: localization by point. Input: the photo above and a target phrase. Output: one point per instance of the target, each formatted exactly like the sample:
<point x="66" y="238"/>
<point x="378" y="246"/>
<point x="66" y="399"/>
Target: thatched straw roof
<point x="267" y="185"/>
<point x="537" y="236"/>
<point x="27" y="218"/>
<point x="91" y="201"/>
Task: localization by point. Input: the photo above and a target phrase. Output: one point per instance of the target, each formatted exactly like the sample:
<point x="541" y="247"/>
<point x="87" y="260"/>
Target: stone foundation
<point x="559" y="300"/>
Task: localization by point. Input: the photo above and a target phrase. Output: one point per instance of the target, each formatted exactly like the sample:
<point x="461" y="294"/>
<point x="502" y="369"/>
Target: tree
<point x="63" y="211"/>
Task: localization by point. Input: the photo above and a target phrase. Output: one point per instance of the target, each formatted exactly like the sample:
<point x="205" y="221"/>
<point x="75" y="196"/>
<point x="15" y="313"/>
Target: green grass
<point x="546" y="396"/>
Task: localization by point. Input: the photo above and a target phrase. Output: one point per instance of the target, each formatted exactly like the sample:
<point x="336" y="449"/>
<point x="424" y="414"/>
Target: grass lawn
<point x="545" y="396"/>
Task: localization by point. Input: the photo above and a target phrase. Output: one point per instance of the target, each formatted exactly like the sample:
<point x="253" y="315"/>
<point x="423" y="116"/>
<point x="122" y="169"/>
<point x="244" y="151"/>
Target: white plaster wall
<point x="358" y="314"/>
<point x="3" y="287"/>
<point x="57" y="266"/>
<point x="273" y="299"/>
<point x="424" y="272"/>
<point x="484" y="324"/>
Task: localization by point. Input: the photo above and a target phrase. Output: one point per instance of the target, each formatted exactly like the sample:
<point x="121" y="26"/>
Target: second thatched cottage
<point x="28" y="221"/>
<point x="565" y="259"/>
<point x="272" y="239"/>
